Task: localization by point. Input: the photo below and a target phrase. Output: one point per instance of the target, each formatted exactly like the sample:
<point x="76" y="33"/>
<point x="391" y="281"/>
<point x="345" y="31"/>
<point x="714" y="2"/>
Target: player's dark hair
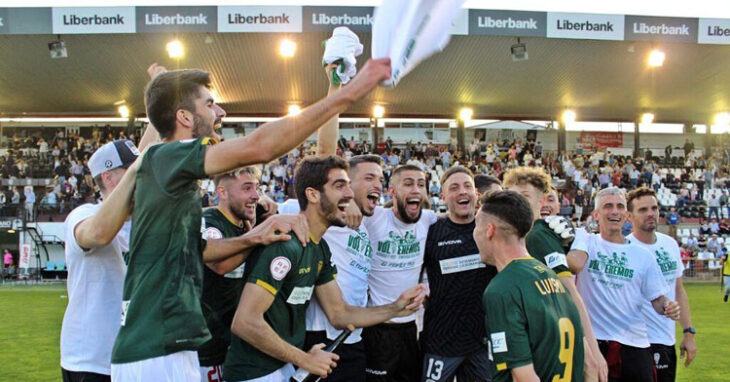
<point x="250" y="170"/>
<point x="455" y="170"/>
<point x="365" y="158"/>
<point x="171" y="91"/>
<point x="535" y="176"/>
<point x="484" y="182"/>
<point x="636" y="194"/>
<point x="509" y="207"/>
<point x="405" y="167"/>
<point x="313" y="172"/>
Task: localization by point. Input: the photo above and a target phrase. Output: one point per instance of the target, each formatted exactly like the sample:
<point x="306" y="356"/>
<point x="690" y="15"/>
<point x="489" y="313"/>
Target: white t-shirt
<point x="666" y="252"/>
<point x="398" y="250"/>
<point x="352" y="254"/>
<point x="95" y="282"/>
<point x="616" y="282"/>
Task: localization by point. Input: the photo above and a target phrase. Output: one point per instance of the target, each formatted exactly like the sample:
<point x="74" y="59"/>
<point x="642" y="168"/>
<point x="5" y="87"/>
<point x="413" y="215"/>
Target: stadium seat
<point x="50" y="266"/>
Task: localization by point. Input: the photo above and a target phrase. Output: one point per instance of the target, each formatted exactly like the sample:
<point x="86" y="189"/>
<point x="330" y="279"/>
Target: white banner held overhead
<point x="410" y="31"/>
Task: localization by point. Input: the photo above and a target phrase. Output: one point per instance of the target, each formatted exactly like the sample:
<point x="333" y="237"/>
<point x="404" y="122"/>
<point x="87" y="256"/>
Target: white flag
<point x="410" y="31"/>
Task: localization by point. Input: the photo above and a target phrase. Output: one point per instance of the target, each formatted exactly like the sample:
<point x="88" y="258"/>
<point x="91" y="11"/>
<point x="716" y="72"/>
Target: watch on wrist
<point x="690" y="330"/>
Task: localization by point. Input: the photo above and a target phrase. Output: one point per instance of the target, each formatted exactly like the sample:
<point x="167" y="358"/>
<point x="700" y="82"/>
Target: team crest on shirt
<point x="212" y="233"/>
<point x="279" y="267"/>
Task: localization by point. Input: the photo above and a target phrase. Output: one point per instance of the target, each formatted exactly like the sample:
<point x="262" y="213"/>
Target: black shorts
<point x="392" y="353"/>
<point x="350" y="367"/>
<point x="471" y="368"/>
<point x="84" y="376"/>
<point x="665" y="362"/>
<point x="627" y="363"/>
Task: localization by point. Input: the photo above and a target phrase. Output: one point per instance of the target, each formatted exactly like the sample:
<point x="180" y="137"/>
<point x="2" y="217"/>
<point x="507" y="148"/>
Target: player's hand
<point x="320" y="362"/>
<point x="353" y="215"/>
<point x="563" y="227"/>
<point x="374" y="72"/>
<point x="410" y="300"/>
<point x="671" y="310"/>
<point x="277" y="228"/>
<point x="269" y="206"/>
<point x="329" y="69"/>
<point x="155" y="70"/>
<point x="688" y="348"/>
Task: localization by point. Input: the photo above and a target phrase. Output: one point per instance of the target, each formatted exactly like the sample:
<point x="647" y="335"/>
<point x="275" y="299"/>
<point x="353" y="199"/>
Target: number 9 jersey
<point x="531" y="319"/>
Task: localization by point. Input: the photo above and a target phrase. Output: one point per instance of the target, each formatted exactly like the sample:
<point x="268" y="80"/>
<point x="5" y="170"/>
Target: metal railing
<point x="696" y="269"/>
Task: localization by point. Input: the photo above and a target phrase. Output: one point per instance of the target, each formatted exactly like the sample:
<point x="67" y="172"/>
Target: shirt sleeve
<point x="678" y="258"/>
<point x="430" y="216"/>
<point x="211" y="230"/>
<point x="507" y="331"/>
<point x="74" y="219"/>
<point x="270" y="266"/>
<point x="653" y="284"/>
<point x="548" y="249"/>
<point x="329" y="270"/>
<point x="580" y="243"/>
<point x="176" y="164"/>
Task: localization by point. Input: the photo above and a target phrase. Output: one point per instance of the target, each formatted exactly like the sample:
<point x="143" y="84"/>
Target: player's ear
<point x="184" y="117"/>
<point x="313" y="195"/>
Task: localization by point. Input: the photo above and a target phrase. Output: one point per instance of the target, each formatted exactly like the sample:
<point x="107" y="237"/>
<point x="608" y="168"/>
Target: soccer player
<point x="398" y="235"/>
<point x="270" y="319"/>
<point x="616" y="278"/>
<point x="551" y="206"/>
<point x="643" y="211"/>
<point x="453" y="329"/>
<point x="352" y="255"/>
<point x="165" y="262"/>
<point x="223" y="274"/>
<point x="726" y="276"/>
<point x="547" y="247"/>
<point x="485" y="183"/>
<point x="97" y="237"/>
<point x="533" y="326"/>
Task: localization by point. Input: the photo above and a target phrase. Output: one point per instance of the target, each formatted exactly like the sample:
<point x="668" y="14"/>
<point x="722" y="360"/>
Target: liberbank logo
<point x="93" y="20"/>
<point x="259" y="19"/>
<point x="237" y="18"/>
<point x="344" y="19"/>
<point x="584" y="26"/>
<point x="177" y="19"/>
<point x="508" y="23"/>
<point x="663" y="29"/>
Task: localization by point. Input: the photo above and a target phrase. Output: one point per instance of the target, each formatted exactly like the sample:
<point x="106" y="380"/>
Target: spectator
<point x="672" y="222"/>
<point x="714" y="204"/>
<point x="43" y="150"/>
<point x="29" y="202"/>
<point x="7" y="258"/>
<point x="714" y="226"/>
<point x="579" y="203"/>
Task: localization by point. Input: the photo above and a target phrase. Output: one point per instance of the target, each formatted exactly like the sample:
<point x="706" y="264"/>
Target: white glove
<point x="561" y="226"/>
<point x="342" y="47"/>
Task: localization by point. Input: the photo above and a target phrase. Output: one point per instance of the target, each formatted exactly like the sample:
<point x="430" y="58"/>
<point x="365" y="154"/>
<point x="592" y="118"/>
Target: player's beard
<point x="403" y="212"/>
<point x="201" y="128"/>
<point x="240" y="212"/>
<point x="331" y="212"/>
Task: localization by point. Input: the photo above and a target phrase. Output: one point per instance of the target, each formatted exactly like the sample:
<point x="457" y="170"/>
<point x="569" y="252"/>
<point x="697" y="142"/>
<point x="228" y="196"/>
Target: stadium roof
<point x="600" y="80"/>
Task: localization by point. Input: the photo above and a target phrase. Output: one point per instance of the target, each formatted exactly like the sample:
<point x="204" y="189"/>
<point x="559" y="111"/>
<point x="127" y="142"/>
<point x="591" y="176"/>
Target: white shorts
<point x="211" y="373"/>
<point x="281" y="375"/>
<point x="181" y="366"/>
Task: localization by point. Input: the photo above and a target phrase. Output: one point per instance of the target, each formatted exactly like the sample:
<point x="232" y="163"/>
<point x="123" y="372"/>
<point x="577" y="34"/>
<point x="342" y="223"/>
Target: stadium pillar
<point x="637" y="139"/>
<point x="376" y="136"/>
<point x="561" y="138"/>
<point x="460" y="136"/>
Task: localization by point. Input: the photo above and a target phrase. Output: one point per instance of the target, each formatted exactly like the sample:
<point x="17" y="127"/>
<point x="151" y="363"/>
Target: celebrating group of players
<point x="238" y="293"/>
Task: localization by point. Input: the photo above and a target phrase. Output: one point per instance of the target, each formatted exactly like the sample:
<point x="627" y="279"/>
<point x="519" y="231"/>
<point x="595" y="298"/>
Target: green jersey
<point x="546" y="246"/>
<point x="161" y="311"/>
<point x="289" y="272"/>
<point x="531" y="319"/>
<point x="220" y="293"/>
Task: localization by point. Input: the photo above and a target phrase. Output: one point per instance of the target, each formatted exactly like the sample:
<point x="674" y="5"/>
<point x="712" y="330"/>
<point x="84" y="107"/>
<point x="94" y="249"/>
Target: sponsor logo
<point x="279" y="267"/>
<point x="93" y="20"/>
<point x="237" y="18"/>
<point x="556" y="259"/>
<point x="300" y="295"/>
<point x="125" y="307"/>
<point x="108" y="164"/>
<point x="711" y="30"/>
<point x="461" y="264"/>
<point x="177" y="19"/>
<point x="662" y="29"/>
<point x="584" y="26"/>
<point x="508" y="23"/>
<point x="499" y="342"/>
<point x="345" y="19"/>
<point x="449" y="242"/>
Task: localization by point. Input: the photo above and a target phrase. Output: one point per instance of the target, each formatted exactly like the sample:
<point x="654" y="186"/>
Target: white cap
<point x="119" y="153"/>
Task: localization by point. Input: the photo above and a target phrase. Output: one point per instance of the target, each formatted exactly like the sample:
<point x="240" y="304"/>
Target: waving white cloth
<point x="342" y="48"/>
<point x="410" y="31"/>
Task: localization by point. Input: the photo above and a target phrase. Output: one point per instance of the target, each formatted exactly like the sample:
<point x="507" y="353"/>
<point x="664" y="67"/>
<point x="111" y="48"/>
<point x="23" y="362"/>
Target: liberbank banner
<point x="298" y="19"/>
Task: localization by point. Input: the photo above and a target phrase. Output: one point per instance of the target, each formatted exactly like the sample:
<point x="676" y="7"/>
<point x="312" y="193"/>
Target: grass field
<point x="30" y="323"/>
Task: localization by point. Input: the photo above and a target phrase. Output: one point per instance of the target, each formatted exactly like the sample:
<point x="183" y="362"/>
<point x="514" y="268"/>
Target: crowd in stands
<point x="60" y="161"/>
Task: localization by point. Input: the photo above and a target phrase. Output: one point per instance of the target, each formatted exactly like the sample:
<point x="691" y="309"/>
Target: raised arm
<point x="274" y="139"/>
<point x="100" y="229"/>
<point x="328" y="133"/>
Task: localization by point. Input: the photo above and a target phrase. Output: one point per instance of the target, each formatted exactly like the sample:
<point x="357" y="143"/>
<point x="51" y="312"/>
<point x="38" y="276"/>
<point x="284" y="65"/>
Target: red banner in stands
<point x="593" y="140"/>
